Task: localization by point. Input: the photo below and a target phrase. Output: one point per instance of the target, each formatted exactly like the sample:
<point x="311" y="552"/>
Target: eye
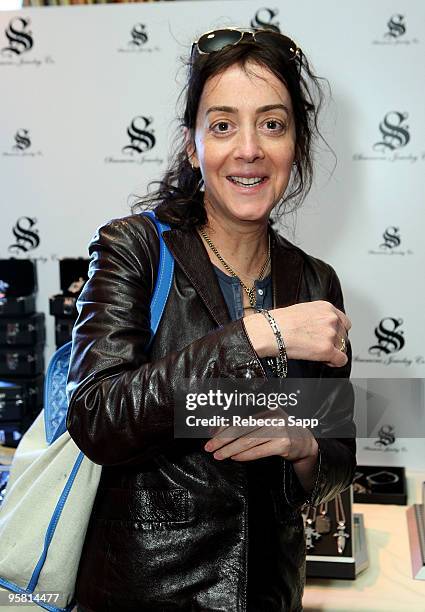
<point x="221" y="127"/>
<point x="273" y="125"/>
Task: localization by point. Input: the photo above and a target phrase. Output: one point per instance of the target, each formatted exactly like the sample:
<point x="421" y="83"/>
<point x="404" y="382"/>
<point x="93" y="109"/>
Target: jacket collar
<point x="190" y="254"/>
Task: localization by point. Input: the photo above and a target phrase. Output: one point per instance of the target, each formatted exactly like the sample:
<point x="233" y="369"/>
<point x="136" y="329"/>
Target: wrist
<point x="306" y="468"/>
<point x="260" y="335"/>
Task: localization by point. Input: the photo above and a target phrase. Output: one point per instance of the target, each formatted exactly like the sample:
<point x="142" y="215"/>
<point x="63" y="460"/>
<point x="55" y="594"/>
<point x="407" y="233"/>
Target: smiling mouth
<point x="247" y="182"/>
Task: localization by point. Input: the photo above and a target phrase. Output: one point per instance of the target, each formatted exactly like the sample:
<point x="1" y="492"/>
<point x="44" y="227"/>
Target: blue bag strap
<point x="164" y="276"/>
<point x="54" y="387"/>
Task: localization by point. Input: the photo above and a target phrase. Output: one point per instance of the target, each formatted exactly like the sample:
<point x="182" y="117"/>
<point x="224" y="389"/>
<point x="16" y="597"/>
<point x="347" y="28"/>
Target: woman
<point x="216" y="525"/>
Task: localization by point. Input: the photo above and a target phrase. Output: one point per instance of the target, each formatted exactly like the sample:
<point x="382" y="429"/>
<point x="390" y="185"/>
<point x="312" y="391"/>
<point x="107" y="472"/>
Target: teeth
<point x="247" y="182"/>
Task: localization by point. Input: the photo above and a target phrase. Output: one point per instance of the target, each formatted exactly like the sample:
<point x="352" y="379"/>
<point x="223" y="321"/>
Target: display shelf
<point x="387" y="584"/>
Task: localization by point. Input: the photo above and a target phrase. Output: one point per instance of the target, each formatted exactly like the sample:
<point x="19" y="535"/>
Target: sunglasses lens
<point x="216" y="41"/>
<point x="268" y="36"/>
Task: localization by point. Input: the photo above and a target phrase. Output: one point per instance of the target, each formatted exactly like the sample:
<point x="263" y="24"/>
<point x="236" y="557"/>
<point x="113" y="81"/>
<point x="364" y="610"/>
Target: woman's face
<point x="245" y="142"/>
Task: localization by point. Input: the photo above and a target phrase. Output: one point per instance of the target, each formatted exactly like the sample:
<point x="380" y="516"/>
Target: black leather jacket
<point x="172" y="528"/>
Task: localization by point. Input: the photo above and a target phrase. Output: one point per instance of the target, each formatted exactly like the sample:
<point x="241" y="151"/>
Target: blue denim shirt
<point x="232" y="292"/>
<point x="233" y="296"/>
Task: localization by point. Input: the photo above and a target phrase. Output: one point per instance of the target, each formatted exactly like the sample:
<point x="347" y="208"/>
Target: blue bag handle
<point x="55" y="410"/>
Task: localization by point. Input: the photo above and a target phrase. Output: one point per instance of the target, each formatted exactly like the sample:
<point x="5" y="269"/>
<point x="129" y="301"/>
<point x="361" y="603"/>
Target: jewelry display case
<point x="335" y="539"/>
<point x="380" y="485"/>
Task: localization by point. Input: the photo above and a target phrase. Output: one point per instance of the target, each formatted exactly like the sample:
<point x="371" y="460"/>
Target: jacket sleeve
<point x="337" y="445"/>
<point x="119" y="404"/>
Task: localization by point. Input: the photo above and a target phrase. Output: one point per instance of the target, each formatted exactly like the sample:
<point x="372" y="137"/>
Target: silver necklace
<point x="341" y="535"/>
<point x="309" y="528"/>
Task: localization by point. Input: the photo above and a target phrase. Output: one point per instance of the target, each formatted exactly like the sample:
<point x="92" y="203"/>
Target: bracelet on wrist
<point x="281" y="368"/>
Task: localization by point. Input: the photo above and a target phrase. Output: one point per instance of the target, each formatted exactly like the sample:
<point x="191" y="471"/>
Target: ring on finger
<point x="343" y="345"/>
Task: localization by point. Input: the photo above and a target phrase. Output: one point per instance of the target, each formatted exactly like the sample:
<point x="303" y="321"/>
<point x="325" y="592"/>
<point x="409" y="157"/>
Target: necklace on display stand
<point x="323" y="521"/>
<point x="310" y="531"/>
<point x="341" y="535"/>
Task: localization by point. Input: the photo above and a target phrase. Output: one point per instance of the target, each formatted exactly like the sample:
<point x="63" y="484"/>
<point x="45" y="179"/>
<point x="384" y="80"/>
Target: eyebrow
<point x="261" y="109"/>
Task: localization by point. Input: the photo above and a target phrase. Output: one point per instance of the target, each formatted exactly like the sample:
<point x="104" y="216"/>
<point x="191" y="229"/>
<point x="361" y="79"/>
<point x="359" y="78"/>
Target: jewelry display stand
<point x="416" y="529"/>
<point x="380" y="485"/>
<point x="335" y="539"/>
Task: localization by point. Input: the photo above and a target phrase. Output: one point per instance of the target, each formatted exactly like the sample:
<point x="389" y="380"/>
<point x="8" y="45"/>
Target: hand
<point x="313" y="331"/>
<point x="293" y="443"/>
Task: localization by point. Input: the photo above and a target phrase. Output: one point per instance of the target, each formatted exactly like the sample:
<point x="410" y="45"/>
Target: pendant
<point x="323" y="524"/>
<point x="341" y="536"/>
<point x="310" y="533"/>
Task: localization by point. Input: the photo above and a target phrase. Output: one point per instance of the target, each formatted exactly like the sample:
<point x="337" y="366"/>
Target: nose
<point x="248" y="146"/>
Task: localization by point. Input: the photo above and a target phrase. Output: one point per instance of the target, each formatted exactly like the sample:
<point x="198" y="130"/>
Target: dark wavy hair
<point x="178" y="199"/>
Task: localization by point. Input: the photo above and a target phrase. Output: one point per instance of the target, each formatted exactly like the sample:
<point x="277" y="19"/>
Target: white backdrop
<point x="75" y="79"/>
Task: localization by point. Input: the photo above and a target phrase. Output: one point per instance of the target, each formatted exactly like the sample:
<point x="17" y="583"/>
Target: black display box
<point x="18" y="361"/>
<point x="23" y="331"/>
<point x="18" y="277"/>
<point x="12" y="401"/>
<point x="21" y="398"/>
<point x="73" y="275"/>
<point x="17" y="306"/>
<point x="380" y="485"/>
<point x="63" y="306"/>
<point x="63" y="330"/>
<point x="18" y="286"/>
<point x="34" y="389"/>
<point x="31" y="391"/>
<point x="11" y="433"/>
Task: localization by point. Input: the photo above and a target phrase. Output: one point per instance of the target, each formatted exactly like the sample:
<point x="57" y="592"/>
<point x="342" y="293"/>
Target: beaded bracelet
<point x="282" y="358"/>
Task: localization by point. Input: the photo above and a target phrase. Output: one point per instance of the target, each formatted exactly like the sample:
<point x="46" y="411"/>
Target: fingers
<point x="244" y="445"/>
<point x="345" y="321"/>
<point x="292" y="445"/>
<point x="338" y="354"/>
<point x="337" y="359"/>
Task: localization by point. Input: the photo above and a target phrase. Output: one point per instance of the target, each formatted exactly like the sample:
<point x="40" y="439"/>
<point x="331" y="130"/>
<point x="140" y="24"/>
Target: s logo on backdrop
<point x="139" y="38"/>
<point x="26" y="235"/>
<point x="386" y="436"/>
<point x="391" y="241"/>
<point x="385" y="441"/>
<point x="20" y="39"/>
<point x="19" y="42"/>
<point x="389" y="339"/>
<point x="395" y="33"/>
<point x="394" y="135"/>
<point x="396" y="27"/>
<point x="22" y="140"/>
<point x="141" y="140"/>
<point x="391" y="238"/>
<point x="264" y="17"/>
<point x="141" y="136"/>
<point x="22" y="145"/>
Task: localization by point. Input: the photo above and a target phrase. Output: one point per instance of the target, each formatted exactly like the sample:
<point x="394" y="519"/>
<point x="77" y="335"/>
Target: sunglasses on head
<point x="217" y="40"/>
